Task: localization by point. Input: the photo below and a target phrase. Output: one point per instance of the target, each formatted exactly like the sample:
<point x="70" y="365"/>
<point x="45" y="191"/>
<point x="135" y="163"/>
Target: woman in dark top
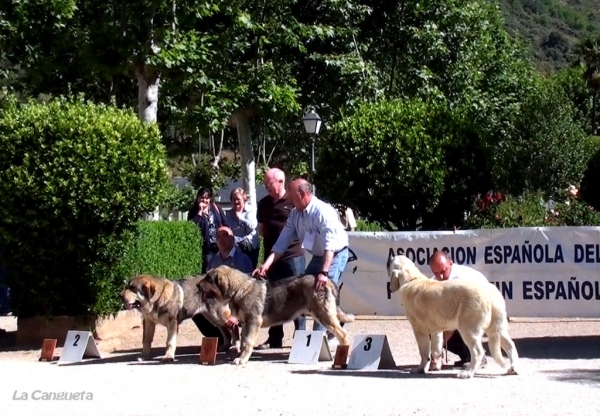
<point x="208" y="216"/>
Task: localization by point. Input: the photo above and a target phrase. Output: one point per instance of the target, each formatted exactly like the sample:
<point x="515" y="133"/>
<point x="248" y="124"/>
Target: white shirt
<point x="460" y="271"/>
<point x="318" y="228"/>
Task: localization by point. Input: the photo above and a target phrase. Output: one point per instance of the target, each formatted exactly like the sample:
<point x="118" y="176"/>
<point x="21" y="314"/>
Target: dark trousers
<point x="457" y="346"/>
<point x="277" y="271"/>
<point x="207" y="329"/>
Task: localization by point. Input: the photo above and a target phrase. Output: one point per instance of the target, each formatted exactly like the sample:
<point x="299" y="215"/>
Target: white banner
<point x="542" y="272"/>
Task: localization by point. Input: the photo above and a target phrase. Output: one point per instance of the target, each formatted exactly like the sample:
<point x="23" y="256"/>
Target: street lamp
<point x="312" y="125"/>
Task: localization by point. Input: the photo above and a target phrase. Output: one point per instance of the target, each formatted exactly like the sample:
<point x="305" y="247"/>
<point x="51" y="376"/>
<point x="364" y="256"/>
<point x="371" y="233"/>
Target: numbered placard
<point x="371" y="352"/>
<point x="309" y="347"/>
<point x="78" y="344"/>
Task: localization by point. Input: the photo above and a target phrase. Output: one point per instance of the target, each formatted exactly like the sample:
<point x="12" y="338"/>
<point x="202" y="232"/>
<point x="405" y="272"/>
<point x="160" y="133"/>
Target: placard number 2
<point x="368" y="341"/>
<point x="308" y="339"/>
<point x="77" y="337"/>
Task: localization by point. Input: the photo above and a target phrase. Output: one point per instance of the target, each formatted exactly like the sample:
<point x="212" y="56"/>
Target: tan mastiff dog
<point x="473" y="308"/>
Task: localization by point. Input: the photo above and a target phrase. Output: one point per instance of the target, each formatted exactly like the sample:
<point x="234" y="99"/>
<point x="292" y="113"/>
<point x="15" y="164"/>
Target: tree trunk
<point x="148" y="85"/>
<point x="241" y="120"/>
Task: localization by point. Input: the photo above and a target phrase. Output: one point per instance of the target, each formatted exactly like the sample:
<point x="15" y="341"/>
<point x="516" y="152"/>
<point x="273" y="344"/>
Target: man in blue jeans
<point x="317" y="225"/>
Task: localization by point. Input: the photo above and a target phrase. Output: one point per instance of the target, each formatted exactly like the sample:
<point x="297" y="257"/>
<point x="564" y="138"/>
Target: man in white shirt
<point x="443" y="268"/>
<point x="317" y="225"/>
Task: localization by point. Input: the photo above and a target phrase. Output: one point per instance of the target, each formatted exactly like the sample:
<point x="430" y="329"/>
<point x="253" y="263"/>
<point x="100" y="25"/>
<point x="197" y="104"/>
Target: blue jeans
<point x="335" y="274"/>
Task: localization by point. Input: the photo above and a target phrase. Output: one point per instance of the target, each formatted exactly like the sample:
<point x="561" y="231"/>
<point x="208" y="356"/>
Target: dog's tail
<point x="343" y="316"/>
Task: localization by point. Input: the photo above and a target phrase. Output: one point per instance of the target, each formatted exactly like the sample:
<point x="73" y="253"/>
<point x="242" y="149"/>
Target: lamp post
<point x="312" y="125"/>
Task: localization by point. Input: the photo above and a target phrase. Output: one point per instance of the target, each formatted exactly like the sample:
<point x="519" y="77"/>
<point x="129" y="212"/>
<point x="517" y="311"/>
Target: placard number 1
<point x="308" y="339"/>
<point x="368" y="341"/>
<point x="77" y="337"/>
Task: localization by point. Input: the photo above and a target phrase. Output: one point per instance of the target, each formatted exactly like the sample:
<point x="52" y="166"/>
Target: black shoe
<point x="268" y="345"/>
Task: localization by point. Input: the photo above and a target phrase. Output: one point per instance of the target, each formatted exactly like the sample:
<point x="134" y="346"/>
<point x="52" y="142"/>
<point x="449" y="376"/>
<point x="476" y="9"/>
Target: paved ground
<point x="560" y="375"/>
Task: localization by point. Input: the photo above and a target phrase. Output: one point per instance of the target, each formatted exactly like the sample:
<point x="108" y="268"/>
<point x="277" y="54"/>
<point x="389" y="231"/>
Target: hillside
<point x="551" y="27"/>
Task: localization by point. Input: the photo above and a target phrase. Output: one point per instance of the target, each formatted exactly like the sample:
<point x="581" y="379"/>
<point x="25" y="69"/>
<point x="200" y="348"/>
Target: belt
<point x="335" y="253"/>
<point x="340" y="250"/>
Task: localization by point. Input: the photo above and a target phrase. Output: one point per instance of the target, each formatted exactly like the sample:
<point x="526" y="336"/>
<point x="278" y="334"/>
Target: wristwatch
<point x="326" y="274"/>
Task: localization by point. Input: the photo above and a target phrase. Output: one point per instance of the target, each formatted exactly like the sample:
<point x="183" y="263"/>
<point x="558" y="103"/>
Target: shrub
<point x="364" y="225"/>
<point x="74" y="179"/>
<point x="170" y="249"/>
<point x="392" y="158"/>
<point x="531" y="210"/>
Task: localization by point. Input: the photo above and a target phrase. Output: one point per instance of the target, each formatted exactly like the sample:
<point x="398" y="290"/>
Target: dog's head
<point x="139" y="292"/>
<point x="214" y="284"/>
<point x="402" y="270"/>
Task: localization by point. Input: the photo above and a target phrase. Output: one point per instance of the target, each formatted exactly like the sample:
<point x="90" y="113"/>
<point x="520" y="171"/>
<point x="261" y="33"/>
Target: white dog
<point x="473" y="308"/>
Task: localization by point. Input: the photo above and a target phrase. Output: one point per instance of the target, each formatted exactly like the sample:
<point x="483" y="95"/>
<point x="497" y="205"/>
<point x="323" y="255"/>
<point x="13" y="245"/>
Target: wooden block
<point x="341" y="357"/>
<point x="208" y="351"/>
<point x="48" y="347"/>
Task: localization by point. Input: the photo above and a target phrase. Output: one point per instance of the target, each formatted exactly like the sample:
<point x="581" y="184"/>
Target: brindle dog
<point x="259" y="304"/>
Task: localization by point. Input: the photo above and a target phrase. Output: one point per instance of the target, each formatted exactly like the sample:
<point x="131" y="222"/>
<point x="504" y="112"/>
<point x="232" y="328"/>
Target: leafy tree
<point x="569" y="79"/>
<point x="545" y="149"/>
<point x="393" y="151"/>
<point x="588" y="56"/>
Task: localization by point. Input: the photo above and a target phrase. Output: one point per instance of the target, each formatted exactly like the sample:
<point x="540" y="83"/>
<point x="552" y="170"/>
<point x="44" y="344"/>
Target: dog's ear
<point x="148" y="289"/>
<point x="390" y="258"/>
<point x="394" y="281"/>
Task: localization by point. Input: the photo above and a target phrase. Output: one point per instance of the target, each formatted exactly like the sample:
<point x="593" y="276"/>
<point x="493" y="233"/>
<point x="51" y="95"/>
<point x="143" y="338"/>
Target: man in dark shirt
<point x="272" y="214"/>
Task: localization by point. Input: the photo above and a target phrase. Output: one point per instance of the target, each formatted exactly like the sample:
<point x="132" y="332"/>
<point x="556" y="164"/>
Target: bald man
<point x="317" y="225"/>
<point x="272" y="213"/>
<point x="443" y="268"/>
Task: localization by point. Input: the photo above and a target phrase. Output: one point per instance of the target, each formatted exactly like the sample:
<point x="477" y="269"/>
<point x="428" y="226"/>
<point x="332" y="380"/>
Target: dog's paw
<point x="167" y="359"/>
<point x="239" y="361"/>
<point x="512" y="372"/>
<point x="464" y="374"/>
<point x="145" y="357"/>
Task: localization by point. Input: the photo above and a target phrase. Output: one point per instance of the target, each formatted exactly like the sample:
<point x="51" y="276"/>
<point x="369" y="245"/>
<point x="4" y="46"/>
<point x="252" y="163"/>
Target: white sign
<point x="371" y="352"/>
<point x="78" y="344"/>
<point x="542" y="272"/>
<point x="309" y="347"/>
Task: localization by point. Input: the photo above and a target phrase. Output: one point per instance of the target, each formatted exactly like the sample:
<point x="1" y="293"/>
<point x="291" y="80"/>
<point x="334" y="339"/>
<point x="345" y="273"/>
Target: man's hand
<point x="231" y="323"/>
<point x="320" y="282"/>
<point x="260" y="272"/>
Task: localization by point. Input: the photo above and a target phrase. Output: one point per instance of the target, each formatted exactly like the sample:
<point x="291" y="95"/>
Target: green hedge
<point x="170" y="249"/>
<point x="74" y="179"/>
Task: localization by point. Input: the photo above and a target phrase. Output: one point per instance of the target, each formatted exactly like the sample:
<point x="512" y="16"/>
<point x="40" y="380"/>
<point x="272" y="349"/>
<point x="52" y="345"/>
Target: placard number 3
<point x="77" y="337"/>
<point x="368" y="341"/>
